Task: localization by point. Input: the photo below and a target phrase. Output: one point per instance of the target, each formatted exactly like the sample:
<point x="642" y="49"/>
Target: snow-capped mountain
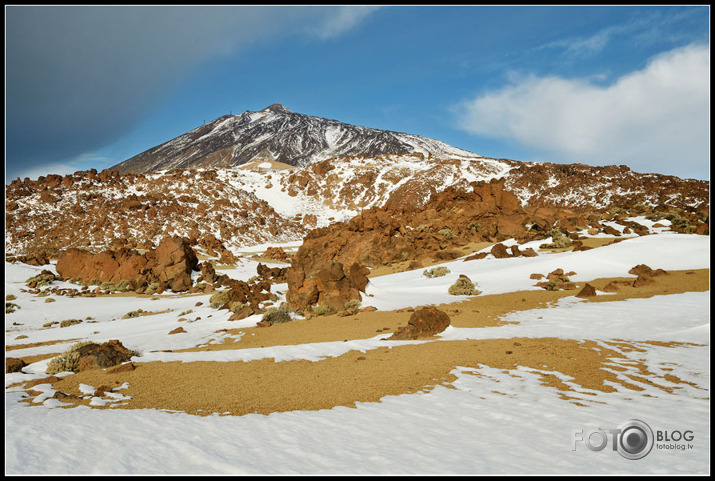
<point x="277" y="134"/>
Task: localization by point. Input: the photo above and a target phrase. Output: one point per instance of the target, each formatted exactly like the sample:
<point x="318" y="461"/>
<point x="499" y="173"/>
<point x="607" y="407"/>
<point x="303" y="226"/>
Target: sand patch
<point x="477" y="311"/>
<point x="428" y="261"/>
<point x="38" y="344"/>
<point x="265" y="386"/>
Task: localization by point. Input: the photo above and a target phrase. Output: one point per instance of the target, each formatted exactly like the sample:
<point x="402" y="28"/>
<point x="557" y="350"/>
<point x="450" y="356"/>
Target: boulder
<point x="587" y="291"/>
<point x="99" y="356"/>
<point x="13" y="364"/>
<point x="499" y="251"/>
<point x="424" y="322"/>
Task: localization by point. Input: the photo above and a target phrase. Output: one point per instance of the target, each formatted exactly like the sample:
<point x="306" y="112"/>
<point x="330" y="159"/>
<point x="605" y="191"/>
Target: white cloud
<point x="653" y="120"/>
<point x="341" y="20"/>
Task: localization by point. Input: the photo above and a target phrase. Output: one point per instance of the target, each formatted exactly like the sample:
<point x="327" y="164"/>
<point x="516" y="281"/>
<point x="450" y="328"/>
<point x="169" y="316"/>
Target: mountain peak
<point x="277" y="108"/>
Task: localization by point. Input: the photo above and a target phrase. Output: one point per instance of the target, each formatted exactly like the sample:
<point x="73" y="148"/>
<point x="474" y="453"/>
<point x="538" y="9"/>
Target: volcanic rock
<point x="99" y="356"/>
<point x="587" y="291"/>
<point x="13" y="364"/>
<point x="424" y="322"/>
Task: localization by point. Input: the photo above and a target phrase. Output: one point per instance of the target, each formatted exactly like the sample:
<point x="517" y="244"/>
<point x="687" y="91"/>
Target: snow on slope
<point x="493" y="421"/>
<point x="293" y="138"/>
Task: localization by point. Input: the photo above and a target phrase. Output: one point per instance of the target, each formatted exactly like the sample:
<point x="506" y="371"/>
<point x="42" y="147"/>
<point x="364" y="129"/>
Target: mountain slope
<point x="278" y="134"/>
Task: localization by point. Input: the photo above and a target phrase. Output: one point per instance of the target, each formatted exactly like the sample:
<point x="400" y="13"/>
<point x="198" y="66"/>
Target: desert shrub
<point x="321" y="310"/>
<point x="21" y="336"/>
<point x="11" y="307"/>
<point x="67" y="361"/>
<point x="218" y="299"/>
<point x="237" y="306"/>
<point x="558" y="239"/>
<point x="49" y="299"/>
<point x="151" y="288"/>
<point x="186" y="312"/>
<point x="446" y="233"/>
<point x="552" y="285"/>
<point x="473" y="226"/>
<point x="43" y="293"/>
<point x="111" y="287"/>
<point x="132" y="314"/>
<point x="639" y="208"/>
<point x="421" y="227"/>
<point x="49" y="324"/>
<point x="41" y="280"/>
<point x="10" y="297"/>
<point x="352" y="306"/>
<point x="616" y="210"/>
<point x="436" y="272"/>
<point x="463" y="287"/>
<point x="70" y="322"/>
<point x="277" y="315"/>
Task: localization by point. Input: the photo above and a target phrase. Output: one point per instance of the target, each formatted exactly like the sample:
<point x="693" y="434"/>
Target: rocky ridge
<point x="235" y="208"/>
<point x="278" y="134"/>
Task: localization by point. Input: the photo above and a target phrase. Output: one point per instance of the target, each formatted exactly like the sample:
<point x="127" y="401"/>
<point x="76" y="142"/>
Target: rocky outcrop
<point x="170" y="264"/>
<point x="325" y="283"/>
<point x="13" y="364"/>
<point x="424" y="322"/>
<point x="99" y="356"/>
<point x="645" y="275"/>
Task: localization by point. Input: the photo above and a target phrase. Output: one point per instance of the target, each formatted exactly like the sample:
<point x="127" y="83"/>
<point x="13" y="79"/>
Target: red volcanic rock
<point x="175" y="259"/>
<point x="587" y="291"/>
<point x="329" y="284"/>
<point x="76" y="263"/>
<point x="276" y="253"/>
<point x="98" y="356"/>
<point x="424" y="322"/>
<point x="170" y="265"/>
<point x="499" y="251"/>
<point x="13" y="364"/>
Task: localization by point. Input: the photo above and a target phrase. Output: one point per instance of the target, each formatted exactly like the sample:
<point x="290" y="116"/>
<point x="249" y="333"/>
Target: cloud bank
<point x="654" y="120"/>
<point x="78" y="78"/>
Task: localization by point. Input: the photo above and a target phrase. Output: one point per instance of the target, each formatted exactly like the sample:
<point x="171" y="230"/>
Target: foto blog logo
<point x="633" y="439"/>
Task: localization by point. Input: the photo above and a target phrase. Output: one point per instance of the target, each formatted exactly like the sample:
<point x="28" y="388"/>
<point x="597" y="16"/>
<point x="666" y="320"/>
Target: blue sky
<point x="89" y="87"/>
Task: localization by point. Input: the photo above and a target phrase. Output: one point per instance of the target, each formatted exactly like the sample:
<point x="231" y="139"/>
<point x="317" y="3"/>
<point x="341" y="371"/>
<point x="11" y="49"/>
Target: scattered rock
<point x="99" y="356"/>
<point x="126" y="367"/>
<point x="587" y="291"/>
<point x="424" y="322"/>
<point x="13" y="364"/>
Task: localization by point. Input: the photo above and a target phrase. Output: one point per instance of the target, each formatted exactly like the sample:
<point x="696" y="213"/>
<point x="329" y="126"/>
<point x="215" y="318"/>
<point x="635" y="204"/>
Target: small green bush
<point x="473" y="226"/>
<point x="41" y="280"/>
<point x="237" y="306"/>
<point x="10" y="297"/>
<point x="463" y="287"/>
<point x="49" y="299"/>
<point x="70" y="322"/>
<point x="352" y="307"/>
<point x="68" y="361"/>
<point x="218" y="299"/>
<point x="559" y="240"/>
<point x="43" y="293"/>
<point x="321" y="310"/>
<point x="186" y="312"/>
<point x="132" y="314"/>
<point x="151" y="288"/>
<point x="21" y="336"/>
<point x="436" y="272"/>
<point x="11" y="307"/>
<point x="552" y="285"/>
<point x="446" y="233"/>
<point x="277" y="315"/>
